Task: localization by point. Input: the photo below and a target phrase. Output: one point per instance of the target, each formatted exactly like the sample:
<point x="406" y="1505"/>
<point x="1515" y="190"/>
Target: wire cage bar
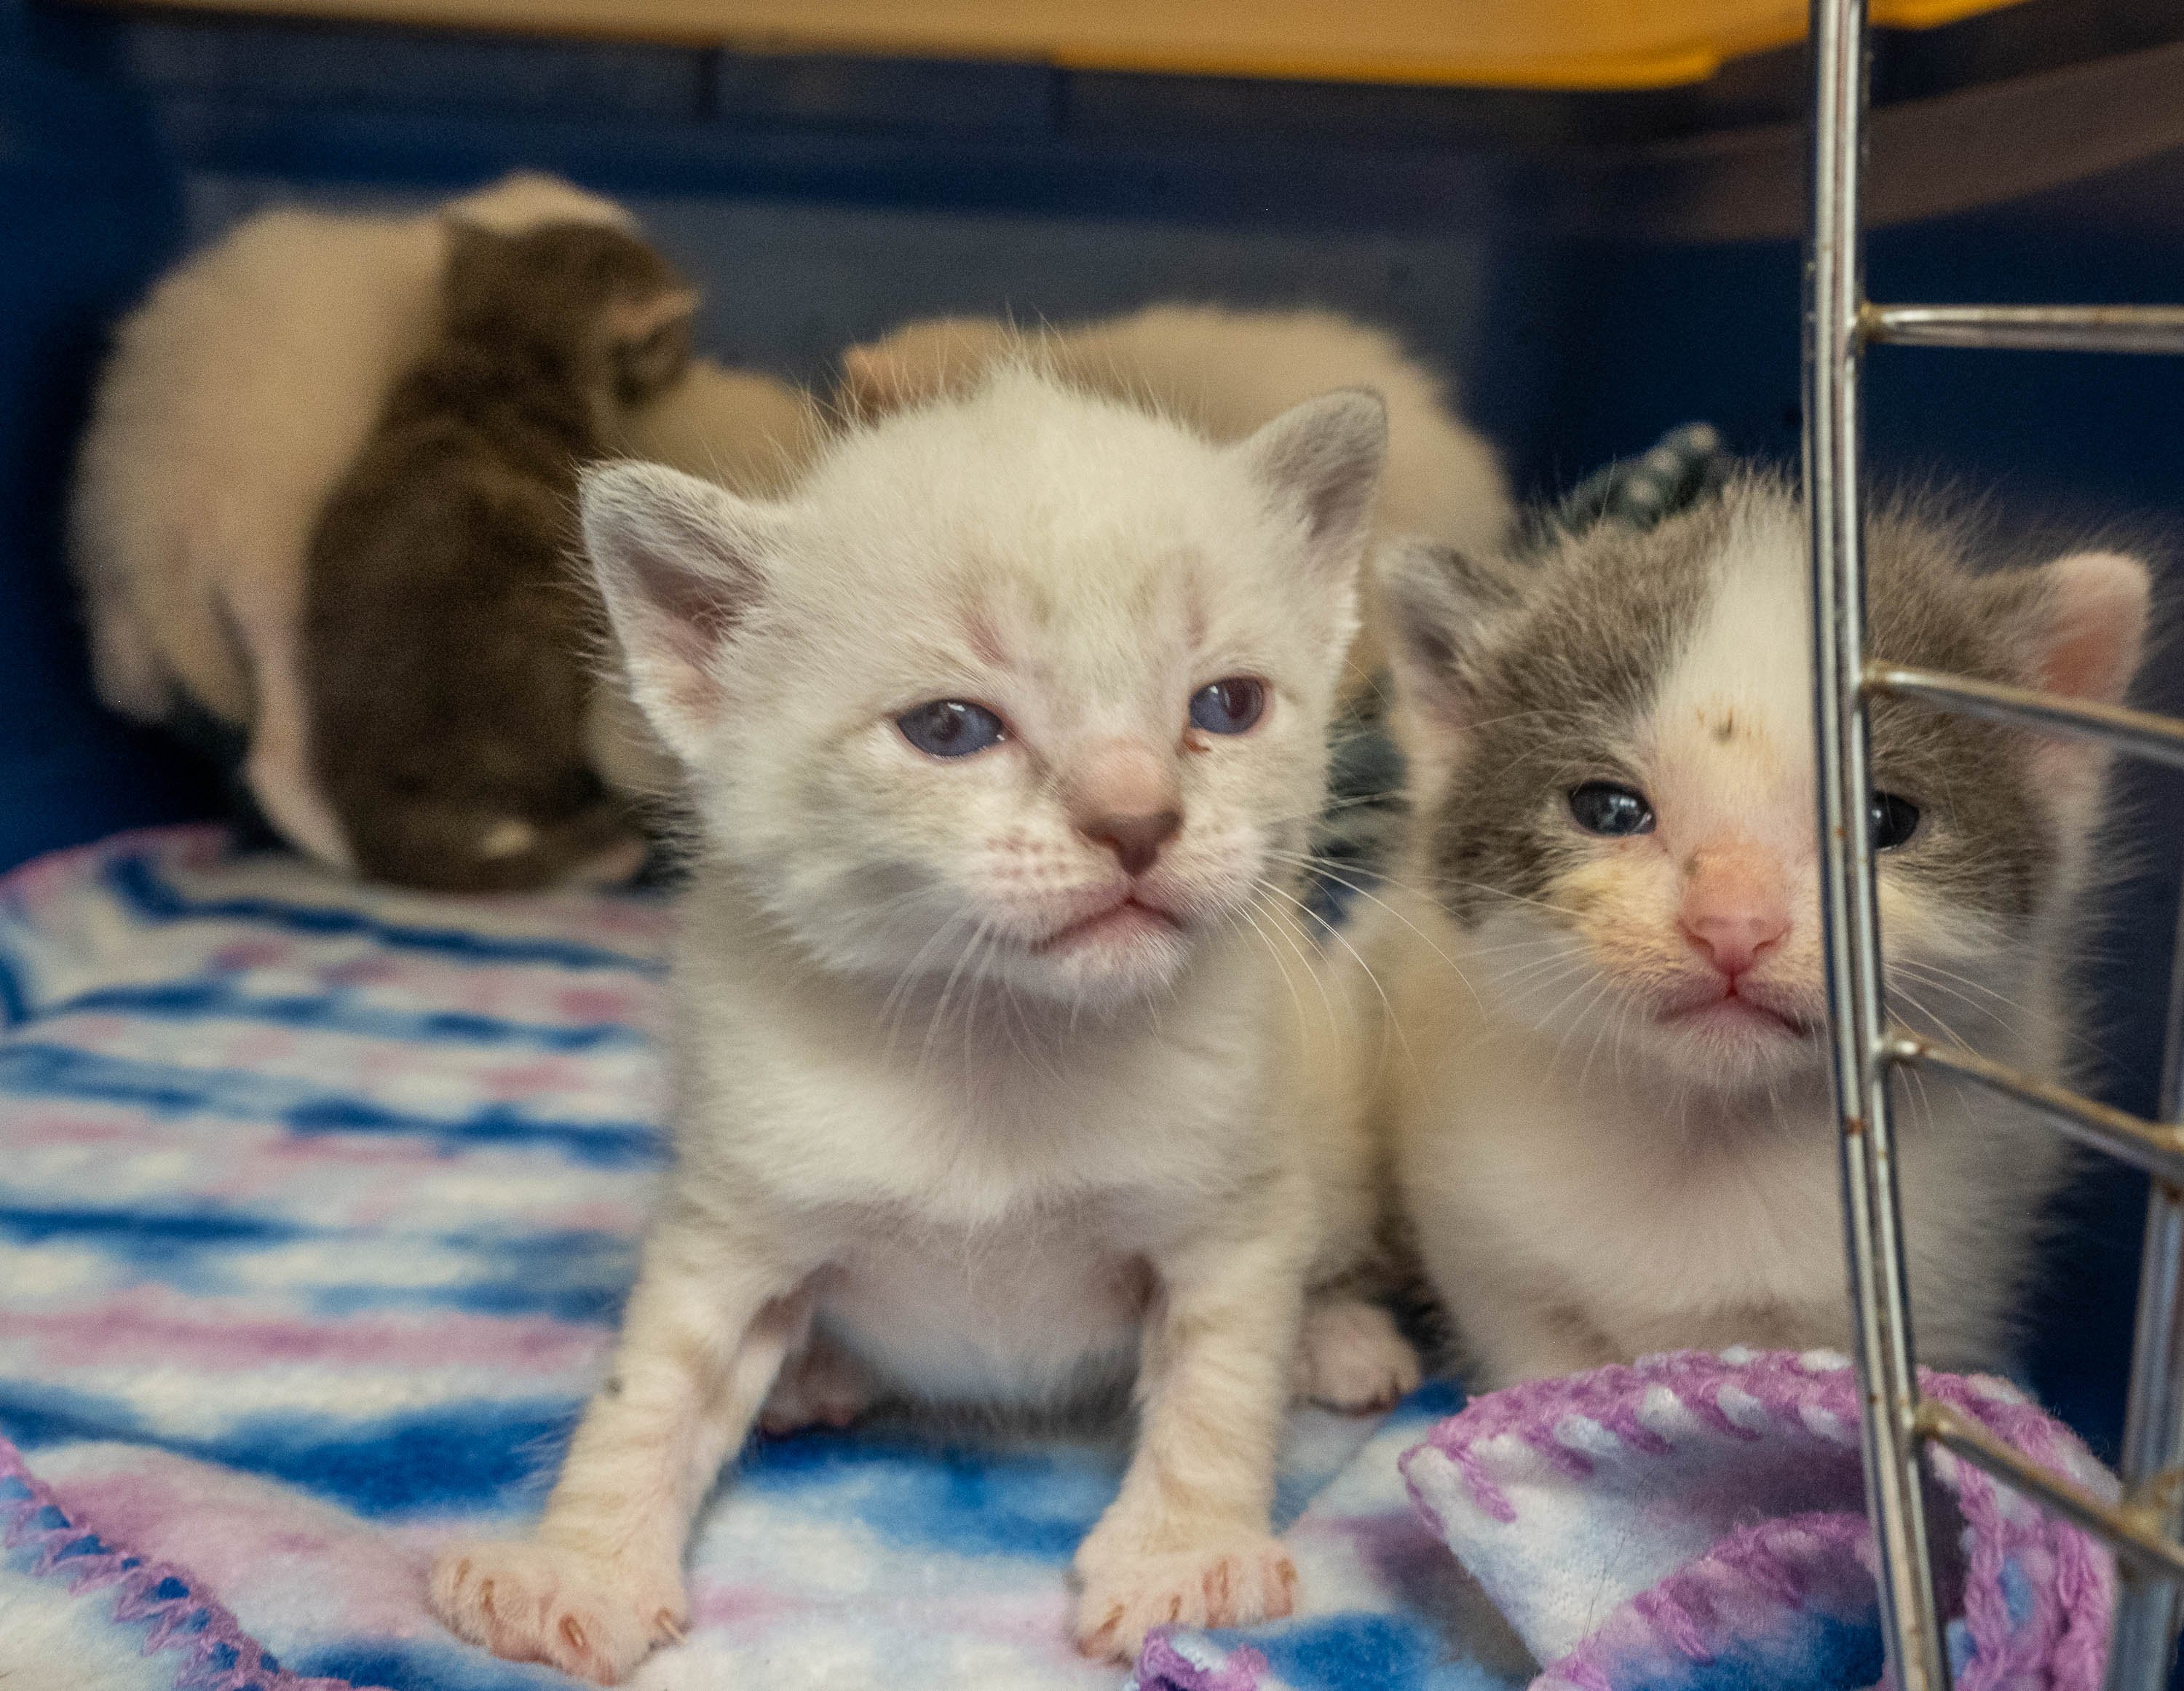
<point x="2142" y="1528"/>
<point x="2160" y="738"/>
<point x="2030" y="328"/>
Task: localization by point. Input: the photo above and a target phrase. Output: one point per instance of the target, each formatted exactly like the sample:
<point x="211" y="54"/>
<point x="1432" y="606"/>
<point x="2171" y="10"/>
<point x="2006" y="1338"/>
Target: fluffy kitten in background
<point x="444" y="660"/>
<point x="1227" y="373"/>
<point x="1006" y="729"/>
<point x="1615" y="1134"/>
<point x="237" y="395"/>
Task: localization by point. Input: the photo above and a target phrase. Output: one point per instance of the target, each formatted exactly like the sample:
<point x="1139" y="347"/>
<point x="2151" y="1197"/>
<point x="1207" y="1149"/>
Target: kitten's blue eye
<point x="1600" y="807"/>
<point x="951" y="728"/>
<point x="1892" y="821"/>
<point x="1230" y="706"/>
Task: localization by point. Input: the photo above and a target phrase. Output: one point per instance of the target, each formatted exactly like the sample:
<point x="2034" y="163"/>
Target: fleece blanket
<point x="317" y="1205"/>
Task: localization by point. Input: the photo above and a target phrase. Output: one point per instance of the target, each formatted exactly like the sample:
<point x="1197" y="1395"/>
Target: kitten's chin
<point x="1733" y="1041"/>
<point x="1126" y="951"/>
<point x="1121" y="930"/>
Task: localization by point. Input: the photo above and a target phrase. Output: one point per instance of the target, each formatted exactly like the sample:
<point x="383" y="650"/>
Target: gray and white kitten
<point x="1615" y="1133"/>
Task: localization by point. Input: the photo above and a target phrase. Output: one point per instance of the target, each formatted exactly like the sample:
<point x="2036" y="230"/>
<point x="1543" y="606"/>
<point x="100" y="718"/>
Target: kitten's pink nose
<point x="1734" y="907"/>
<point x="1124" y="795"/>
<point x="1136" y="841"/>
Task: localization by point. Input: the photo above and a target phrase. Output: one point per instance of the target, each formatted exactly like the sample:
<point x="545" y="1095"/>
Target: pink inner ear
<point x="699" y="610"/>
<point x="2097" y="624"/>
<point x="691" y="615"/>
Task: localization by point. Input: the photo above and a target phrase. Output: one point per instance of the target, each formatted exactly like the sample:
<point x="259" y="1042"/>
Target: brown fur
<point x="444" y="650"/>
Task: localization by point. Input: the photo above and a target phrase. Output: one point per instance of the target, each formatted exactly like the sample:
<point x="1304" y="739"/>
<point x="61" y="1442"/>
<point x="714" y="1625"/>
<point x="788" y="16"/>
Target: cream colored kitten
<point x="1006" y="728"/>
<point x="1227" y="373"/>
<point x="1615" y="1128"/>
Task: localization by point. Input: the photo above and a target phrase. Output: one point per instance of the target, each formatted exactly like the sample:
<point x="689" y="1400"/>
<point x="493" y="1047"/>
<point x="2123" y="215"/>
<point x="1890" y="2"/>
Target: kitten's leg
<point x="1508" y="1336"/>
<point x="602" y="1581"/>
<point x="126" y="665"/>
<point x="279" y="771"/>
<point x="1186" y="1540"/>
<point x="824" y="1386"/>
<point x="1350" y="1355"/>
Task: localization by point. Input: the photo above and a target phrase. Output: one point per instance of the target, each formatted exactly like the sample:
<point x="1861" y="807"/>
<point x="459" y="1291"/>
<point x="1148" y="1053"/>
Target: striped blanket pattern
<point x="317" y="1206"/>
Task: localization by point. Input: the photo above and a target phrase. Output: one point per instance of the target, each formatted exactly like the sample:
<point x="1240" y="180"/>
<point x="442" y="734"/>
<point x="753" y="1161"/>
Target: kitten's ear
<point x="1326" y="456"/>
<point x="918" y="363"/>
<point x="1434" y="601"/>
<point x="2089" y="633"/>
<point x="648" y="340"/>
<point x="680" y="563"/>
<point x="2094" y="612"/>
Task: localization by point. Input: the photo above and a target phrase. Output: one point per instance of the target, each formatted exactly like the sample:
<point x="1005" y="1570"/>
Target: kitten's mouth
<point x="1126" y="919"/>
<point x="1734" y="1012"/>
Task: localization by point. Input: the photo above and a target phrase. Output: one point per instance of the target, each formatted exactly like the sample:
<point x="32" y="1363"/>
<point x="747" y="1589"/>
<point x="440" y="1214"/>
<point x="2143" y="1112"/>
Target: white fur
<point x="1590" y="1183"/>
<point x="235" y="397"/>
<point x="1227" y="373"/>
<point x="987" y="1169"/>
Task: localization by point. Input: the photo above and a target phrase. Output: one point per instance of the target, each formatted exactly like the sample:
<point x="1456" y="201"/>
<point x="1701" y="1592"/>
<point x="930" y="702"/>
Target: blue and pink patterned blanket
<point x="317" y="1205"/>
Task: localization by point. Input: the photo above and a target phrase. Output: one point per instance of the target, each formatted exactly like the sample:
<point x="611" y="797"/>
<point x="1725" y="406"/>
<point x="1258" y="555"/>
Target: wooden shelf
<point x="1562" y="44"/>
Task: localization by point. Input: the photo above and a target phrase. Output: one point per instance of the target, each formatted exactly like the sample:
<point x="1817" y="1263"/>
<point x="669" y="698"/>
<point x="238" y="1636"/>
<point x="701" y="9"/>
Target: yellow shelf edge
<point x="1676" y="64"/>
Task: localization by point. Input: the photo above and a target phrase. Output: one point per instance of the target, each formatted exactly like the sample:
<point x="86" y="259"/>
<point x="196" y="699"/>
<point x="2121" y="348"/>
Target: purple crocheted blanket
<point x="1694" y="1521"/>
<point x="106" y="1617"/>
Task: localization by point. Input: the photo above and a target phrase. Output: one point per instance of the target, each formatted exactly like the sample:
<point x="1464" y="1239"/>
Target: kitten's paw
<point x="533" y="1602"/>
<point x="824" y="1387"/>
<point x="1230" y="1582"/>
<point x="1351" y="1357"/>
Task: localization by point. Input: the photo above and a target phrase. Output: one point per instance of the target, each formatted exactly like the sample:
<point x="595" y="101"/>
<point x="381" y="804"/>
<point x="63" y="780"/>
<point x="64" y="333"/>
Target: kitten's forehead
<point x="1660" y="634"/>
<point x="1101" y="661"/>
<point x="1033" y="525"/>
<point x="1728" y="744"/>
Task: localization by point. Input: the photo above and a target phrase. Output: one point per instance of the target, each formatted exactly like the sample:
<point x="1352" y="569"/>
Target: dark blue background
<point x="822" y="201"/>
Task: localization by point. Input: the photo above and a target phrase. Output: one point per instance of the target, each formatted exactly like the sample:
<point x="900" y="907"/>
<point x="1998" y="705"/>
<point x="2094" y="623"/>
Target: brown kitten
<point x="445" y="640"/>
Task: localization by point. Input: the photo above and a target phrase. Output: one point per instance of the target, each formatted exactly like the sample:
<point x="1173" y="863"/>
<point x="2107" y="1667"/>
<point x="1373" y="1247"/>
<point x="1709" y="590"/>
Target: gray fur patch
<point x="1555" y="688"/>
<point x="1986" y="843"/>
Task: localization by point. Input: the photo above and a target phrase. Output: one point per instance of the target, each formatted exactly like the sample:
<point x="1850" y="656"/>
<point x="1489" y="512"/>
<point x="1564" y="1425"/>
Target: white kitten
<point x="1227" y="373"/>
<point x="1615" y="1130"/>
<point x="1005" y="730"/>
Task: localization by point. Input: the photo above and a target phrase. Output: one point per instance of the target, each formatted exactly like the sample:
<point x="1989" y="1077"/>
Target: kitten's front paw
<point x="1230" y="1582"/>
<point x="1351" y="1357"/>
<point x="533" y="1602"/>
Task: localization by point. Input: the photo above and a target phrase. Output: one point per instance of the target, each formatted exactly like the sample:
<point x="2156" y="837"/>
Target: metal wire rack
<point x="2143" y="1527"/>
